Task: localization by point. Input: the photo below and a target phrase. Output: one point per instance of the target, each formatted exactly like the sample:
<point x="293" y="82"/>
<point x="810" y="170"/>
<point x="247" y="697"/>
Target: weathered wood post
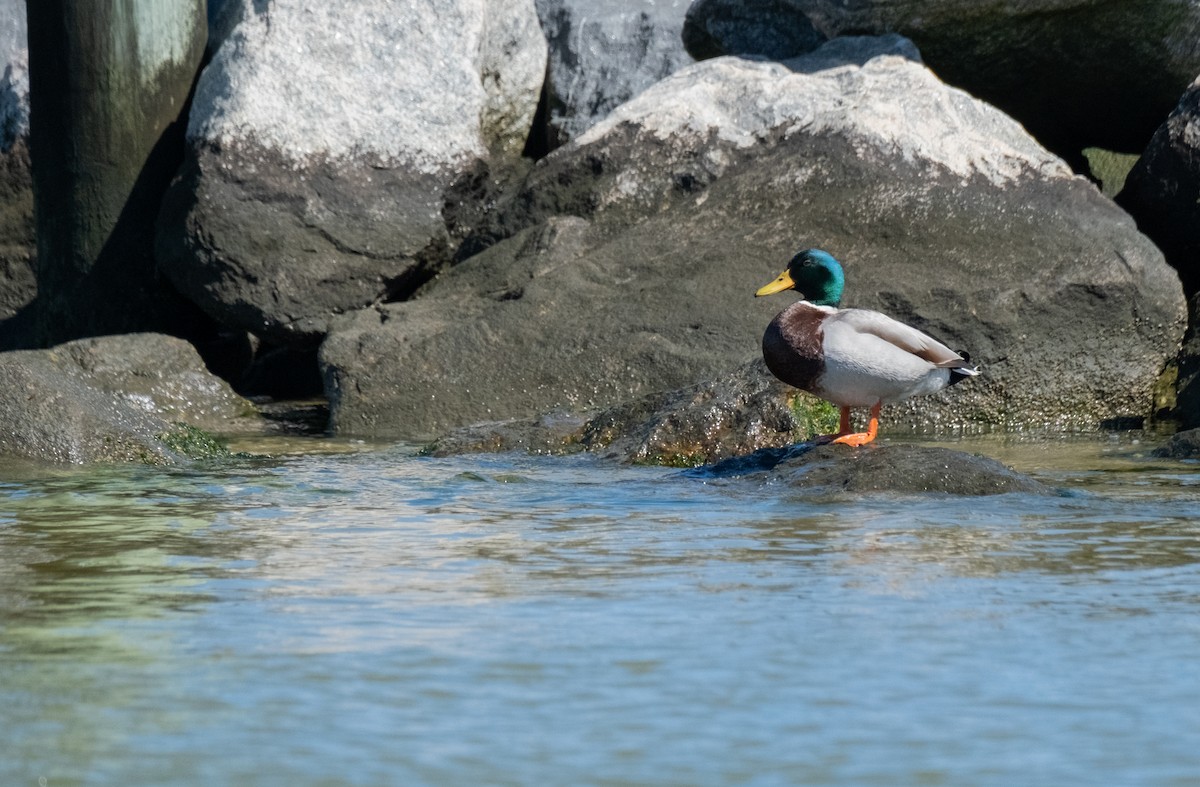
<point x="108" y="82"/>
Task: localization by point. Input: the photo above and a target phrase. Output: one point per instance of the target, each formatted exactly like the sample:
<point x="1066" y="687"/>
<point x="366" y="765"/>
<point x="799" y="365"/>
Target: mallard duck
<point x="850" y="357"/>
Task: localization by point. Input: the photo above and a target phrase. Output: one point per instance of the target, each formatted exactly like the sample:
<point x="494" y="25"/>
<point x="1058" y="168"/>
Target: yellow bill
<point x="784" y="282"/>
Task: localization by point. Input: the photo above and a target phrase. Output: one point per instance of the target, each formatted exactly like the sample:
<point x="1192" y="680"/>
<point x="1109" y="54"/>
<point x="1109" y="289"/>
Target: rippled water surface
<point x="376" y="617"/>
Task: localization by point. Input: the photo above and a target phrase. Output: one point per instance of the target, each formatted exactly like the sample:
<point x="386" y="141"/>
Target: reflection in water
<point x="383" y="618"/>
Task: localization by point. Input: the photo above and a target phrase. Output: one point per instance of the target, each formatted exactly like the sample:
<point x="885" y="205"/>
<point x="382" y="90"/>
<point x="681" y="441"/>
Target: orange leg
<point x="844" y="428"/>
<point x="844" y="425"/>
<point x="862" y="438"/>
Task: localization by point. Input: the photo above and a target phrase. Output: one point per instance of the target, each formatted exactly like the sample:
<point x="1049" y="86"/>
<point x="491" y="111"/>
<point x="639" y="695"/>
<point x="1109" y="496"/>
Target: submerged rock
<point x="136" y="398"/>
<point x="1182" y="445"/>
<point x="895" y="468"/>
<point x="630" y="257"/>
<point x="324" y="144"/>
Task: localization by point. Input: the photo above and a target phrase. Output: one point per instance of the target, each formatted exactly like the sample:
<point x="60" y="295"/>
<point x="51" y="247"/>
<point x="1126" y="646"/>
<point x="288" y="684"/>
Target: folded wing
<point x="903" y="336"/>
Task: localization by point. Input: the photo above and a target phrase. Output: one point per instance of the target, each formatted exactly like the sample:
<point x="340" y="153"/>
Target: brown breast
<point x="792" y="345"/>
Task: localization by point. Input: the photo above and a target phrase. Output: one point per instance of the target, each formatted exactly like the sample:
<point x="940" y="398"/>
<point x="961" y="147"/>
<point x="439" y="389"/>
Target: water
<point x="382" y="618"/>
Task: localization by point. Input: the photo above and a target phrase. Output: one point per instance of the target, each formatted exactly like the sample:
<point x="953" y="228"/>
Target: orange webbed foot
<point x="856" y="439"/>
<point x="862" y="438"/>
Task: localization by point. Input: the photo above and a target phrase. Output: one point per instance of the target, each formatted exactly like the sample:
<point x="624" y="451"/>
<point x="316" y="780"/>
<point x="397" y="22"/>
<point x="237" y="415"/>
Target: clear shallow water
<point x="381" y="618"/>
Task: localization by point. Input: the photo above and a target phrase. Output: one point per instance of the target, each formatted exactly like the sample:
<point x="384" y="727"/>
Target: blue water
<point x="383" y="618"/>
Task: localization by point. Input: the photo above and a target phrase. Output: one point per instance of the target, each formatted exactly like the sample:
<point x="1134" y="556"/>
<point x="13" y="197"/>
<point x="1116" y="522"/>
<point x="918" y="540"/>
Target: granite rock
<point x="327" y="145"/>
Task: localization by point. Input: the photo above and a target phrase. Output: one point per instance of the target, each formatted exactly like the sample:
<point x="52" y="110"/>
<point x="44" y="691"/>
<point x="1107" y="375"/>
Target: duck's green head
<point x="815" y="274"/>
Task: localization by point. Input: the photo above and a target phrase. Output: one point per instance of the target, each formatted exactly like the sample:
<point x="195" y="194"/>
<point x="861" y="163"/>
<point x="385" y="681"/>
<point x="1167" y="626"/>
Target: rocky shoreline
<point x="511" y="223"/>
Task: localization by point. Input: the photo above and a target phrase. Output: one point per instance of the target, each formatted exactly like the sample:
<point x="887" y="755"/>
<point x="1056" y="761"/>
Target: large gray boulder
<point x="18" y="244"/>
<point x="1075" y="72"/>
<point x="326" y="146"/>
<point x="635" y="250"/>
<point x="604" y="52"/>
<point x="131" y="398"/>
<point x="1163" y="193"/>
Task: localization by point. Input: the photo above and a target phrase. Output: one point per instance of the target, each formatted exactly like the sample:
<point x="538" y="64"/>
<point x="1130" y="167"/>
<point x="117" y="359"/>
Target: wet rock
<point x="324" y="144"/>
<point x="1076" y="73"/>
<point x="162" y="375"/>
<point x="888" y="468"/>
<point x="1162" y="192"/>
<point x="630" y="257"/>
<point x="604" y="53"/>
<point x="735" y="414"/>
<point x="18" y="243"/>
<point x="53" y="416"/>
<point x="119" y="398"/>
<point x="553" y="433"/>
<point x="1182" y="445"/>
<point x="136" y="398"/>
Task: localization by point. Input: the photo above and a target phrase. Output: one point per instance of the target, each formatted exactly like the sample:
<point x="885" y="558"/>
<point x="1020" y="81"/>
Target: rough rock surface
<point x="903" y="469"/>
<point x="1162" y="192"/>
<point x="630" y="256"/>
<point x="18" y="244"/>
<point x="111" y="399"/>
<point x="53" y="416"/>
<point x="602" y="53"/>
<point x="1075" y="72"/>
<point x="162" y="375"/>
<point x="1182" y="445"/>
<point x="733" y="415"/>
<point x="325" y="142"/>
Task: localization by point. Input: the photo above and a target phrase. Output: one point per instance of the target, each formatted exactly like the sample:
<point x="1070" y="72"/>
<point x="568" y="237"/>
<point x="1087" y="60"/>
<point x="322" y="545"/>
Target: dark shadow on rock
<point x="777" y="30"/>
<point x="760" y="461"/>
<point x="904" y="469"/>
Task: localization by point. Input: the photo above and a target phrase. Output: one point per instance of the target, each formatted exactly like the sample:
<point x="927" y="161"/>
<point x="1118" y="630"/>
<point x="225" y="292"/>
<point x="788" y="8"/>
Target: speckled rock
<point x="324" y="146"/>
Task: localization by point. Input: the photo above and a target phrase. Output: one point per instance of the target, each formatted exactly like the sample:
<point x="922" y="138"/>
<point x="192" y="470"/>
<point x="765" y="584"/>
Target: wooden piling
<point x="109" y="80"/>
